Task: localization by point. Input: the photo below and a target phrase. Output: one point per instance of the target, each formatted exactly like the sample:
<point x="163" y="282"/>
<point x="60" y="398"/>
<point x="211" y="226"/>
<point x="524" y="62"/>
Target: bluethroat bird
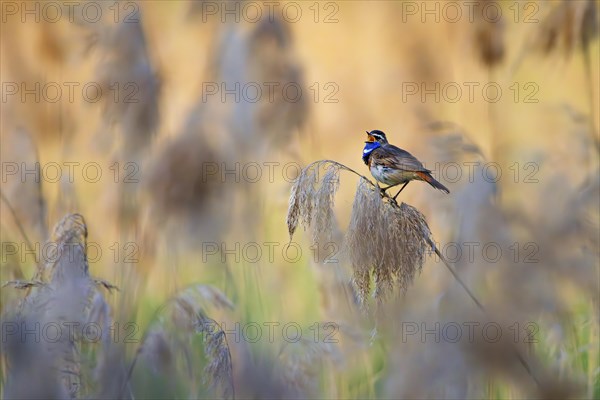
<point x="393" y="166"/>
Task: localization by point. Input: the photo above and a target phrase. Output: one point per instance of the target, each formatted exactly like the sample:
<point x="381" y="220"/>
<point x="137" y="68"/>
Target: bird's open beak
<point x="371" y="139"/>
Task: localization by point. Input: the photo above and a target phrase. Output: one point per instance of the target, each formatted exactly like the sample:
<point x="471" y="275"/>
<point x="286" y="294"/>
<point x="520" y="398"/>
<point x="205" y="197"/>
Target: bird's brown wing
<point x="394" y="157"/>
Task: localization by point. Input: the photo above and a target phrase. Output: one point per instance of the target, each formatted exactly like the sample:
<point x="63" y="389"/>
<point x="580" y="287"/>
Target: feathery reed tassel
<point x="62" y="292"/>
<point x="385" y="240"/>
<point x="188" y="318"/>
<point x="310" y="201"/>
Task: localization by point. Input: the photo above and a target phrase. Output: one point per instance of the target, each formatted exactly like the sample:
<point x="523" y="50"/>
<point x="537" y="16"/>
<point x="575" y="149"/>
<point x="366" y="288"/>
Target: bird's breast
<point x="391" y="176"/>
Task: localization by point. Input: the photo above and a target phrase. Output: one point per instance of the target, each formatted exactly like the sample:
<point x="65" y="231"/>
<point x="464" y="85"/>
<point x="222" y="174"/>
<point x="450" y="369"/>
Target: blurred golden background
<point x="177" y="129"/>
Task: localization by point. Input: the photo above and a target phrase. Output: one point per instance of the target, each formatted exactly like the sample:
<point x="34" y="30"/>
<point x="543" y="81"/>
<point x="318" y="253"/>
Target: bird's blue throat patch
<point x="369" y="147"/>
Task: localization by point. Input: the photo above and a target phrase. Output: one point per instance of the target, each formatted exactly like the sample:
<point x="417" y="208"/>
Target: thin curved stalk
<point x="519" y="356"/>
<point x="345" y="168"/>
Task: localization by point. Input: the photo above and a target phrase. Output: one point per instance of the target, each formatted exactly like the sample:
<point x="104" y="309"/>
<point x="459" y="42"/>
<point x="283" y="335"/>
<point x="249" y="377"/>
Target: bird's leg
<point x="389" y="187"/>
<point x="403" y="186"/>
<point x="382" y="190"/>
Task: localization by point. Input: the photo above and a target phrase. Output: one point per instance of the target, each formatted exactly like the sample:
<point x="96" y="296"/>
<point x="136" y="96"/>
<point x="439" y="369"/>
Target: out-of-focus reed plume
<point x="452" y="143"/>
<point x="25" y="360"/>
<point x="259" y="61"/>
<point x="126" y="71"/>
<point x="62" y="292"/>
<point x="263" y="377"/>
<point x="488" y="37"/>
<point x="52" y="47"/>
<point x="71" y="231"/>
<point x="294" y="371"/>
<point x="303" y="362"/>
<point x="453" y="148"/>
<point x="185" y="187"/>
<point x="488" y="34"/>
<point x="443" y="365"/>
<point x="568" y="251"/>
<point x="261" y="102"/>
<point x="170" y="340"/>
<point x="65" y="295"/>
<point x="568" y="25"/>
<point x="272" y="60"/>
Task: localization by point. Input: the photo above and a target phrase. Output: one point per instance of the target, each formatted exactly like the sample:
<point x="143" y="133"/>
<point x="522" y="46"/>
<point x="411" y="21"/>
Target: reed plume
<point x="302" y="363"/>
<point x="171" y="337"/>
<point x="126" y="69"/>
<point x="489" y="37"/>
<point x="567" y="26"/>
<point x="185" y="190"/>
<point x="258" y="55"/>
<point x="62" y="294"/>
<point x="385" y="241"/>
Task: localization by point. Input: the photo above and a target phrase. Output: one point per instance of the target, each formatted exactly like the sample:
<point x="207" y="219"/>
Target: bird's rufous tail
<point x="429" y="179"/>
